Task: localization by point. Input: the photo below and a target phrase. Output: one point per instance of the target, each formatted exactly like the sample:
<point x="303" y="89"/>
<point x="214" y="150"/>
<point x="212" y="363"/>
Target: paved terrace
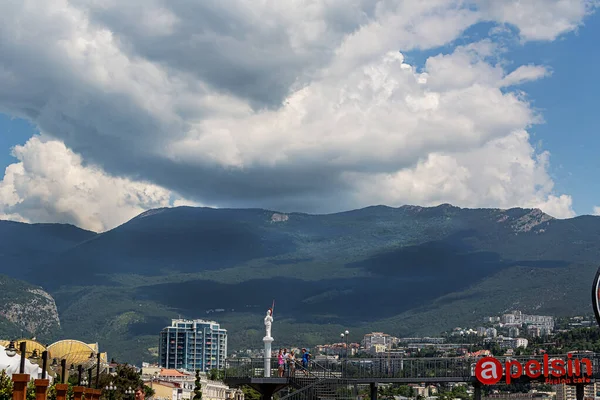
<point x="357" y="371"/>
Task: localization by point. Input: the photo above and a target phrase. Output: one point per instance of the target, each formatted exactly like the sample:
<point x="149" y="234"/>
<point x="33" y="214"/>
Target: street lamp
<point x="84" y="382"/>
<point x="89" y="380"/>
<point x="97" y="357"/>
<point x="342" y="365"/>
<point x="110" y="388"/>
<point x="63" y="368"/>
<point x="347" y="335"/>
<point x="129" y="391"/>
<point x="345" y="339"/>
<point x="23" y="351"/>
<point x="35" y="358"/>
<point x="44" y="363"/>
<point x="54" y="364"/>
<point x="79" y="372"/>
<point x="11" y="350"/>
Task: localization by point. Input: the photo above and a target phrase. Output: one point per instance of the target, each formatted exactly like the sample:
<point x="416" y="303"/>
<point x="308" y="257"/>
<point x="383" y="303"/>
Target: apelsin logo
<point x="489" y="370"/>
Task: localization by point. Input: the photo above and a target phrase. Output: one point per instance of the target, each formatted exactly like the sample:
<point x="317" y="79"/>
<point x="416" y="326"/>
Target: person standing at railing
<point x="280" y="363"/>
<point x="286" y="364"/>
<point x="305" y="360"/>
<point x="291" y="364"/>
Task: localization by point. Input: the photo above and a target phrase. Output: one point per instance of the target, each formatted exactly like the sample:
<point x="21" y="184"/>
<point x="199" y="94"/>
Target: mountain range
<point x="407" y="271"/>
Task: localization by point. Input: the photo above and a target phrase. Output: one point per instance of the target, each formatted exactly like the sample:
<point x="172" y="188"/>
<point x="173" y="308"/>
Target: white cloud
<point x="596" y="210"/>
<point x="504" y="173"/>
<point x="540" y="19"/>
<point x="288" y="106"/>
<point x="525" y="73"/>
<point x="186" y="203"/>
<point x="383" y="115"/>
<point x="51" y="183"/>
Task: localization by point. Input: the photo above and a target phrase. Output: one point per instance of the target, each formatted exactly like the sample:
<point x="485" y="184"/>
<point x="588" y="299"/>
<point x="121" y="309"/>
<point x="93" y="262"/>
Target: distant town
<point x="194" y="354"/>
<point x="189" y="345"/>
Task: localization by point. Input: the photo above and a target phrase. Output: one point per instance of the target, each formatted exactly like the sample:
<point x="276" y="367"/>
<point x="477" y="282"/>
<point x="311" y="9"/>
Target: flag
<point x="273" y="307"/>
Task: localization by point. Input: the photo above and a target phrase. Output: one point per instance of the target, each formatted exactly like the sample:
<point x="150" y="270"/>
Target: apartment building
<point x="378" y="338"/>
<point x="192" y="345"/>
<point x="508" y="342"/>
<point x="567" y="392"/>
<point x="517" y="318"/>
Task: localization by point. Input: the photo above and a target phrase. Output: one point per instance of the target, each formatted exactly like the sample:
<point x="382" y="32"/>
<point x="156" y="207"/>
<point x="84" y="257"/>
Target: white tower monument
<point x="268" y="339"/>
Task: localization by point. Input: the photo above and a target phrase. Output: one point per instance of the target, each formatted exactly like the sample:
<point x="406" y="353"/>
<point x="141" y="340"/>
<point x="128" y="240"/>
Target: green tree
<point x="124" y="377"/>
<point x="52" y="390"/>
<point x="250" y="393"/>
<point x="198" y="387"/>
<point x="460" y="392"/>
<point x="6" y="386"/>
<point x="450" y="394"/>
<point x="30" y="393"/>
<point x="216" y="374"/>
<point x="405" y="391"/>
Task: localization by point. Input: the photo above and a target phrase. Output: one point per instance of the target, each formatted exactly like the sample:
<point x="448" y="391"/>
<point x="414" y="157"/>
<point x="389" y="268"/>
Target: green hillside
<point x="407" y="270"/>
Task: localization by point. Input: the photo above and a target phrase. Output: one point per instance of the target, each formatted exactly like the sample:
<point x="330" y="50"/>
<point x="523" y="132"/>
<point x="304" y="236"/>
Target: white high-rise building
<point x="192" y="345"/>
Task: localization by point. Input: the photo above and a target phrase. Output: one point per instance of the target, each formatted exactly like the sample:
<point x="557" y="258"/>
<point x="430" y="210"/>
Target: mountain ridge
<point x="410" y="207"/>
<point x="396" y="269"/>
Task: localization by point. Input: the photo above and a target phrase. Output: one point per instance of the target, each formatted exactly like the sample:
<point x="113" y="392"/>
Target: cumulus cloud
<point x="502" y="173"/>
<point x="540" y="19"/>
<point x="525" y="73"/>
<point x="51" y="183"/>
<point x="286" y="105"/>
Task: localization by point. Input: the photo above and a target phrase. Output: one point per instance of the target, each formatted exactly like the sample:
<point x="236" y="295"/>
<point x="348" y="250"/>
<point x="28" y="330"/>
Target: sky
<point x="111" y="108"/>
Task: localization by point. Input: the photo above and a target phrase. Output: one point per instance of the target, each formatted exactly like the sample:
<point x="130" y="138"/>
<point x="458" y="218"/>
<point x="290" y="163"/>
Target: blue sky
<point x="567" y="102"/>
<point x="301" y="122"/>
<point x="15" y="131"/>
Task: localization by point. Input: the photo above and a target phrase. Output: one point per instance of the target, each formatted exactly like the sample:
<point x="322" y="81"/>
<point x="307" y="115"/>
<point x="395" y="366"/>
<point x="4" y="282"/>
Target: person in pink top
<point x="281" y="363"/>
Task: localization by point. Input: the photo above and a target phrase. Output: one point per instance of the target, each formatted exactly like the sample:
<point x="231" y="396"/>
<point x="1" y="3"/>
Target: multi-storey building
<point x="378" y="338"/>
<point x="517" y="318"/>
<point x="513" y="331"/>
<point x="429" y="340"/>
<point x="170" y="384"/>
<point x="338" y="349"/>
<point x="491" y="332"/>
<point x="567" y="392"/>
<point x="534" y="331"/>
<point x="192" y="345"/>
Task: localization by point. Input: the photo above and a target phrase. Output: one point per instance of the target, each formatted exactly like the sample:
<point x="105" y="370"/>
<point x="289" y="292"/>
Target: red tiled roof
<point x="163" y="383"/>
<point x="171" y="372"/>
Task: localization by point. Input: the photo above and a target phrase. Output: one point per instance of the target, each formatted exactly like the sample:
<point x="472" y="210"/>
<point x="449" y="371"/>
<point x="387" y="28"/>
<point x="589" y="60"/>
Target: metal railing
<point x="316" y="382"/>
<point x="457" y="369"/>
<point x="322" y="389"/>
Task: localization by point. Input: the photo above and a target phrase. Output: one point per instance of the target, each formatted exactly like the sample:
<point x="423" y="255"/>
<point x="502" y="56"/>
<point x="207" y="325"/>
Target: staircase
<point x="318" y="383"/>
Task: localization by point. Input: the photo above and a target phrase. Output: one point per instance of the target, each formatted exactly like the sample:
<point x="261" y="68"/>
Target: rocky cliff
<point x="28" y="307"/>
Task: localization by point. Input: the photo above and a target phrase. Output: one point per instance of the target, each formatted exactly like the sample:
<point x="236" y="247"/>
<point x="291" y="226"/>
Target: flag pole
<point x="273" y="308"/>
